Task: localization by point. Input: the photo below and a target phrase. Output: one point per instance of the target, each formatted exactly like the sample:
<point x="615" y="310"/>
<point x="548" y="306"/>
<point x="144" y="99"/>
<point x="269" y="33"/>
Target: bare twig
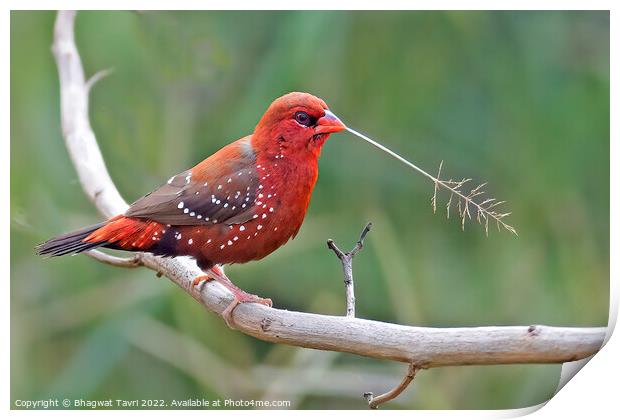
<point x="97" y="77"/>
<point x="428" y="347"/>
<point x="375" y="402"/>
<point x="346" y="258"/>
<point x="131" y="262"/>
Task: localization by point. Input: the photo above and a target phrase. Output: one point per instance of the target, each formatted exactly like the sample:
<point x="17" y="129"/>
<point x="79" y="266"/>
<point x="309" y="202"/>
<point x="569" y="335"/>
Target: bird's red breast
<point x="242" y="202"/>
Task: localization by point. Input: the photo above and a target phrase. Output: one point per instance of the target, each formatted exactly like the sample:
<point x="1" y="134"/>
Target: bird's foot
<point x="241" y="297"/>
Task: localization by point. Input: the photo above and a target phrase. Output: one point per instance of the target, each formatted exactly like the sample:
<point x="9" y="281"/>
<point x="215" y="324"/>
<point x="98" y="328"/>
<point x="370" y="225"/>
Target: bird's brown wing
<point x="221" y="189"/>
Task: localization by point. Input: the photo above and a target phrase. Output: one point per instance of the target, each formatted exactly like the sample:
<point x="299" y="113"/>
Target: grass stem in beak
<point x="484" y="210"/>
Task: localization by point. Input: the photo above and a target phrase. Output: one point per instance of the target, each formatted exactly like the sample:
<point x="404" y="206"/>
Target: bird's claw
<point x="242" y="297"/>
<point x="263" y="301"/>
<point x="200" y="281"/>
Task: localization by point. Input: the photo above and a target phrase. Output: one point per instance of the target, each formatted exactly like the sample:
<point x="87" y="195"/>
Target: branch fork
<point x="346" y="258"/>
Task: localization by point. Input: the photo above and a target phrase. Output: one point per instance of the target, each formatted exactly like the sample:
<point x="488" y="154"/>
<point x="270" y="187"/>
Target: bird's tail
<point x="120" y="232"/>
<point x="71" y="243"/>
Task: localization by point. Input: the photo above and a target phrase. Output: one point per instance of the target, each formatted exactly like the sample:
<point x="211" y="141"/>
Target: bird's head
<point x="295" y="124"/>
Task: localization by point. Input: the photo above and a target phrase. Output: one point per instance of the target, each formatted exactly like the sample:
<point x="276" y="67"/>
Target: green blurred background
<point x="519" y="99"/>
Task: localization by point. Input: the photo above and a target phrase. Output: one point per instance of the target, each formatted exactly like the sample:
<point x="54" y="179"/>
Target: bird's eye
<point x="303" y="118"/>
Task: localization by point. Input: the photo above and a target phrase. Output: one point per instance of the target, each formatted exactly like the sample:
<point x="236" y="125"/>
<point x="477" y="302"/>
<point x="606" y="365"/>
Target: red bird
<point x="238" y="205"/>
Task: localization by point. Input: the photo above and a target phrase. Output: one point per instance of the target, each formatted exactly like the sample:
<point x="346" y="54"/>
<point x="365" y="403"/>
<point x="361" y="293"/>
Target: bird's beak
<point x="329" y="123"/>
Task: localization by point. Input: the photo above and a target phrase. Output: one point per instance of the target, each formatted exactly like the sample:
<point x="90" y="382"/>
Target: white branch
<point x="424" y="347"/>
<point x="102" y="257"/>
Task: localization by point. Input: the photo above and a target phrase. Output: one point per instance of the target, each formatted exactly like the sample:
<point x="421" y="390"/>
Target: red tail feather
<point x="120" y="232"/>
<point x="128" y="233"/>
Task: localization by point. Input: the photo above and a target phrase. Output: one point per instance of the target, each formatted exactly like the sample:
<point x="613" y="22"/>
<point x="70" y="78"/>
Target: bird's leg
<point x="240" y="296"/>
<point x="217" y="273"/>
